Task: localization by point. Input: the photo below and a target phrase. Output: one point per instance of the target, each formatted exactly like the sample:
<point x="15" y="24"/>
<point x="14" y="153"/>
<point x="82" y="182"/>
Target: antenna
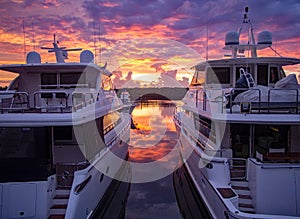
<point x="95" y="48"/>
<point x="100" y="41"/>
<point x="33" y="42"/>
<point x="60" y="52"/>
<point x="206" y="43"/>
<point x="24" y="36"/>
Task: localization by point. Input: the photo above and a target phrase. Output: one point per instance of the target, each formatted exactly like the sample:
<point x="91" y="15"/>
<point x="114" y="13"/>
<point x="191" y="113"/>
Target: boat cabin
<point x="54" y="86"/>
<point x="225" y="73"/>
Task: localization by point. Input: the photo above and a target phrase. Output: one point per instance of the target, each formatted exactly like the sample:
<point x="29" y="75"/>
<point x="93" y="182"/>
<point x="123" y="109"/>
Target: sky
<point x="145" y="43"/>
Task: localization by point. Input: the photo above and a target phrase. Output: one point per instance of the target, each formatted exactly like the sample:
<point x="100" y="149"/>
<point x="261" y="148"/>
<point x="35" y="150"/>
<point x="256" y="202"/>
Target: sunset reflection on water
<point x="155" y="134"/>
<point x="154" y="137"/>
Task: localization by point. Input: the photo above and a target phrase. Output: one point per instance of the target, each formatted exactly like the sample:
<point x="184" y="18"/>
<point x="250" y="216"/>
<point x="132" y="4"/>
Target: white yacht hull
<point x="83" y="204"/>
<point x="209" y="179"/>
<point x="34" y="199"/>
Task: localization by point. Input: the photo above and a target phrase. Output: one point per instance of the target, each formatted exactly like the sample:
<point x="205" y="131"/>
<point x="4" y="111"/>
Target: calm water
<point x="159" y="189"/>
<point x="153" y="139"/>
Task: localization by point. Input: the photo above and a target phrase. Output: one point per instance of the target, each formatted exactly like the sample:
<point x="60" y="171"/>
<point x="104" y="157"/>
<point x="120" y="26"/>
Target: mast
<point x="232" y="39"/>
<point x="60" y="52"/>
<point x="24" y="36"/>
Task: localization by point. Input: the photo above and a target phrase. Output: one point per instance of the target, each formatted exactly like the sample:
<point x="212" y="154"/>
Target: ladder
<point x="248" y="77"/>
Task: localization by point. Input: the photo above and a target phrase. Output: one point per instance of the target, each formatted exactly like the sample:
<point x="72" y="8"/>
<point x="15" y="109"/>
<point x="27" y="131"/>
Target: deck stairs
<point x="65" y="176"/>
<point x="60" y="203"/>
<point x="243" y="191"/>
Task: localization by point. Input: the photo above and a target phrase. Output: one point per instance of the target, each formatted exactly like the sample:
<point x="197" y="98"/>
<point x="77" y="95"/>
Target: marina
<point x="140" y="127"/>
<point x="170" y="197"/>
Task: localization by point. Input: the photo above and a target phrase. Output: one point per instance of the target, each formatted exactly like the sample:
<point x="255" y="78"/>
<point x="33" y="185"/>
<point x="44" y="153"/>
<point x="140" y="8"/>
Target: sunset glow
<point x="134" y="36"/>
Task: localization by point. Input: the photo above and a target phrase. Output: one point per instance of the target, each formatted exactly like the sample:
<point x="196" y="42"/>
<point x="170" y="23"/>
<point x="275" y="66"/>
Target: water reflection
<point x="154" y="137"/>
<point x="152" y="200"/>
<point x="155" y="134"/>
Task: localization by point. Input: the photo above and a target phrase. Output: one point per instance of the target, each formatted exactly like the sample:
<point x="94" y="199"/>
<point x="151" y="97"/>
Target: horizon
<point x="146" y="44"/>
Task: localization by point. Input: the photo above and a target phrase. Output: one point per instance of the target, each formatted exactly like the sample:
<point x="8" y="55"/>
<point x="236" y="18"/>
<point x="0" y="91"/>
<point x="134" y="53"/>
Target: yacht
<point x="59" y="124"/>
<point x="240" y="131"/>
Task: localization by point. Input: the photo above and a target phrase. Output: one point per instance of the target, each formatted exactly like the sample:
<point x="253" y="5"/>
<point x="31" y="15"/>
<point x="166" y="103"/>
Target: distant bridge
<point x="154" y="93"/>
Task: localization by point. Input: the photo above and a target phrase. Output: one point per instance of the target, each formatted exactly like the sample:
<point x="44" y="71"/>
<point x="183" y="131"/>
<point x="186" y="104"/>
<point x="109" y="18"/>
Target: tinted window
<point x="24" y="154"/>
<point x="262" y="75"/>
<point x="273" y="75"/>
<point x="218" y="75"/>
<point x="49" y="79"/>
<point x="70" y="78"/>
<point x="63" y="133"/>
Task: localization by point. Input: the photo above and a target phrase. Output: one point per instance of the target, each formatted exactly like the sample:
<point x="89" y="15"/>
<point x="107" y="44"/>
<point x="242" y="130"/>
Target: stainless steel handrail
<point x="85" y="98"/>
<point x="11" y="97"/>
<point x="51" y="96"/>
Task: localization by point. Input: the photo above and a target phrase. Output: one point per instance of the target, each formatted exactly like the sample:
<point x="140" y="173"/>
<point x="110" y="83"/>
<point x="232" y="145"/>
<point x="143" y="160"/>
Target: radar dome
<point x="264" y="37"/>
<point x="232" y="38"/>
<point x="86" y="56"/>
<point x="33" y="57"/>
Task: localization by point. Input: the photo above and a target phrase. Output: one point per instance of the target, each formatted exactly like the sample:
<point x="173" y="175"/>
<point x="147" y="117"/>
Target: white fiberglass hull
<point x="34" y="199"/>
<point x="82" y="204"/>
<point x="208" y="177"/>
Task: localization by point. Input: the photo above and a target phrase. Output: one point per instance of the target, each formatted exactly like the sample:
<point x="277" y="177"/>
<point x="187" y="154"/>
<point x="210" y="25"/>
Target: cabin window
<point x="110" y="121"/>
<point x="64" y="135"/>
<point x="71" y="79"/>
<point x="274" y="137"/>
<point x="17" y="143"/>
<point x="273" y="75"/>
<point x="218" y="75"/>
<point x="24" y="153"/>
<point x="198" y="77"/>
<point x="205" y="127"/>
<point x="240" y="140"/>
<point x="49" y="80"/>
<point x="262" y="75"/>
<point x="281" y="73"/>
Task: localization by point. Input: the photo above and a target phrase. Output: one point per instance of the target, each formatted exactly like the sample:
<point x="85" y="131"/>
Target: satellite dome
<point x="33" y="57"/>
<point x="86" y="56"/>
<point x="232" y="38"/>
<point x="264" y="37"/>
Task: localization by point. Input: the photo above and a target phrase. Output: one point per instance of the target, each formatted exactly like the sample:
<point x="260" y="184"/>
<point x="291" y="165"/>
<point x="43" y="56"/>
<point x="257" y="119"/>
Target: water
<point x="159" y="188"/>
<point x="153" y="139"/>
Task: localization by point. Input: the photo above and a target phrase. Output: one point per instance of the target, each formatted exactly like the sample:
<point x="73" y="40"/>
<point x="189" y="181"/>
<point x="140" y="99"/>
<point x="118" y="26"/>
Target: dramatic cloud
<point x="131" y="34"/>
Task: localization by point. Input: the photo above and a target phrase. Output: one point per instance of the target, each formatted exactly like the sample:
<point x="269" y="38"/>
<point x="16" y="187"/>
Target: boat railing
<point x="51" y="100"/>
<point x="82" y="99"/>
<point x="11" y="101"/>
<point x="238" y="168"/>
<point x="225" y="101"/>
<point x="64" y="86"/>
<point x="244" y="106"/>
